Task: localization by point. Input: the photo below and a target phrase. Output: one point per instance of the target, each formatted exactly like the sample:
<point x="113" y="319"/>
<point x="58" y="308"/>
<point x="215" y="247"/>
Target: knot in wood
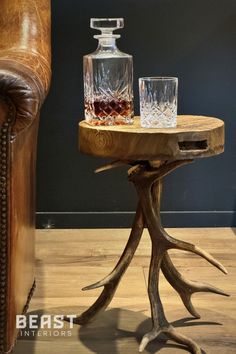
<point x="103" y="140"/>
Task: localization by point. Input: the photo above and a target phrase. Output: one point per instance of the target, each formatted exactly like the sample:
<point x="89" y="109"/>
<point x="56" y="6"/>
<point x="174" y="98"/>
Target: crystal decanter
<point x="108" y="78"/>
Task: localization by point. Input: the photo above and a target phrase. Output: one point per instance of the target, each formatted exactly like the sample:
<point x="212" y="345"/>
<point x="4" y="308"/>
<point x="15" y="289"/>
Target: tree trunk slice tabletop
<point x="194" y="137"/>
<point x="152" y="154"/>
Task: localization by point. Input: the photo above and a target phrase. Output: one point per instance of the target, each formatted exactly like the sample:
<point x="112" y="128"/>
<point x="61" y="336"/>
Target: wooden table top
<point x="194" y="137"/>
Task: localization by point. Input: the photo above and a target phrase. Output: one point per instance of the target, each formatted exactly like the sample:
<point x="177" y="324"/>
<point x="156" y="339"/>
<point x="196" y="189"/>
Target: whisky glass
<point x="158" y="102"/>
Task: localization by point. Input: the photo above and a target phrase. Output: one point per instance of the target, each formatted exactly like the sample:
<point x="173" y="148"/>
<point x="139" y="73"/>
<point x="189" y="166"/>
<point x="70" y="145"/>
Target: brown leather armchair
<point x="24" y="81"/>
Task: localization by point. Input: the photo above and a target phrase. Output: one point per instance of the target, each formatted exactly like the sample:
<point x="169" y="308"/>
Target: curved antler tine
<point x="111" y="282"/>
<point x="181" y="339"/>
<point x="184" y="287"/>
<point x="187" y="301"/>
<point x="99" y="305"/>
<point x="140" y="172"/>
<point x="148" y="337"/>
<point x="98" y="284"/>
<point x="186" y="246"/>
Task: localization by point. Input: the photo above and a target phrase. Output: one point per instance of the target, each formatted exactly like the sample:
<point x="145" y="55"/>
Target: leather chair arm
<point x="25" y="56"/>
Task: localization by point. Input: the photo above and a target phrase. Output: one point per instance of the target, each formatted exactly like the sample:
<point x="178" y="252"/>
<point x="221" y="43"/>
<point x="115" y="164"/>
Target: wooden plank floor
<point x="68" y="260"/>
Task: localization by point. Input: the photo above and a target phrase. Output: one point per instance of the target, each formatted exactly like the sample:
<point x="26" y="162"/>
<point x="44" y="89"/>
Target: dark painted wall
<point x="194" y="40"/>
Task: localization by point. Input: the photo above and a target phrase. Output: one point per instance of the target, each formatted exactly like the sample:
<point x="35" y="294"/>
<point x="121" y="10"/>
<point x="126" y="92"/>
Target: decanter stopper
<point x="106" y="26"/>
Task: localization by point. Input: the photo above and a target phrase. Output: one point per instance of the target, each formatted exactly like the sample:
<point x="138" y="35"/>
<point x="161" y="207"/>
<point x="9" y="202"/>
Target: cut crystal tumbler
<point x="158" y="102"/>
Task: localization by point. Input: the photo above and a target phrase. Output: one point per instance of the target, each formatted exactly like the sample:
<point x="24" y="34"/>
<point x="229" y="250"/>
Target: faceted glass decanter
<point x="108" y="78"/>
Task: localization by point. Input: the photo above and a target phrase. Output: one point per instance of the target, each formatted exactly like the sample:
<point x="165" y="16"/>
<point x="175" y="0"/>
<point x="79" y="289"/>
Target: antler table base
<point x="147" y="177"/>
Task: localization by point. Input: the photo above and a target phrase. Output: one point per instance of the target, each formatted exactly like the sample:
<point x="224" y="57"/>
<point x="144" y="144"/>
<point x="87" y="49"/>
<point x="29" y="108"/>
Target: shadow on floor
<point x="117" y="326"/>
<point x="116" y="331"/>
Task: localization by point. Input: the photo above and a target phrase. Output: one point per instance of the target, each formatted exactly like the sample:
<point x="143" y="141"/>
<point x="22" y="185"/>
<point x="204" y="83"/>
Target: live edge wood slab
<point x="152" y="154"/>
<point x="195" y="136"/>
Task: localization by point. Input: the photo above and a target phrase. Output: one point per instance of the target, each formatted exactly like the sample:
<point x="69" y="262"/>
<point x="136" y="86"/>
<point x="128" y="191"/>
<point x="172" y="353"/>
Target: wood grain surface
<point x="194" y="137"/>
<point x="68" y="260"/>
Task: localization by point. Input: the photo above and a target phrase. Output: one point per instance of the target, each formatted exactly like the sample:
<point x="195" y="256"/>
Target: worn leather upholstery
<point x="25" y="74"/>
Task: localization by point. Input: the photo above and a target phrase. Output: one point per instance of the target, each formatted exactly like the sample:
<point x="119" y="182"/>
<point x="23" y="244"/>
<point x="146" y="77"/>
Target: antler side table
<point x="152" y="154"/>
